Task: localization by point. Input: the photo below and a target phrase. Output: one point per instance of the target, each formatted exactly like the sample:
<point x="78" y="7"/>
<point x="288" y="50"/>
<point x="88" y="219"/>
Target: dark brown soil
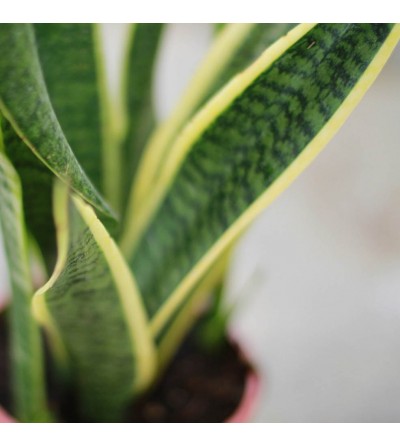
<point x="197" y="387"/>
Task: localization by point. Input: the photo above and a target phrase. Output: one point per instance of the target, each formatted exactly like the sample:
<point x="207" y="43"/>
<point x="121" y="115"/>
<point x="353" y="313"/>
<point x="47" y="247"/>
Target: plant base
<point x="197" y="387"/>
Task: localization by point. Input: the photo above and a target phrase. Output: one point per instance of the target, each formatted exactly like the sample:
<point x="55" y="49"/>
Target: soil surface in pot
<point x="197" y="387"/>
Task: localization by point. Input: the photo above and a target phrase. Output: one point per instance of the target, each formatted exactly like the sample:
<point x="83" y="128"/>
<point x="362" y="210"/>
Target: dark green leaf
<point x="236" y="47"/>
<point x="67" y="54"/>
<point x="138" y="98"/>
<point x="25" y="103"/>
<point x="245" y="147"/>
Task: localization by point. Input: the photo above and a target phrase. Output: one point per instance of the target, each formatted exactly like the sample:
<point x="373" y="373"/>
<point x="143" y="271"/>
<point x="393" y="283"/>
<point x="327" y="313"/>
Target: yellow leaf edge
<point x="303" y="160"/>
<point x="131" y="302"/>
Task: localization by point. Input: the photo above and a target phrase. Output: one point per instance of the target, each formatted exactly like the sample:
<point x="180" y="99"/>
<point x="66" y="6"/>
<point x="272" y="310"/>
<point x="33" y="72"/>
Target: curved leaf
<point x="245" y="147"/>
<point x="234" y="49"/>
<point x="93" y="314"/>
<point x="25" y="103"/>
<point x="67" y="57"/>
<point x="27" y="363"/>
<point x="37" y="183"/>
<point x="67" y="54"/>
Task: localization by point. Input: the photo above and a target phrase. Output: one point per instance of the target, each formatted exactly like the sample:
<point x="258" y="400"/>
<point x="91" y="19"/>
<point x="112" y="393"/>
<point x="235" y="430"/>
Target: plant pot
<point x="218" y="386"/>
<point x="246" y="407"/>
<point x="242" y="413"/>
<point x="4" y="416"/>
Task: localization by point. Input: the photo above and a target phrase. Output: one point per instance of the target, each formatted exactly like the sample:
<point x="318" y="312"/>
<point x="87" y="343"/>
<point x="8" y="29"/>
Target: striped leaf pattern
<point x="264" y="103"/>
<point x="245" y="147"/>
<point x="236" y="47"/>
<point x="24" y="102"/>
<point x="93" y="314"/>
<point x="67" y="54"/>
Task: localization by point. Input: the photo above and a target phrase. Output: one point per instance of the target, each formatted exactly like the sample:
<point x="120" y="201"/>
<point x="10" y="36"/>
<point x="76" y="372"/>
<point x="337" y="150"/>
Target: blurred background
<point x="316" y="280"/>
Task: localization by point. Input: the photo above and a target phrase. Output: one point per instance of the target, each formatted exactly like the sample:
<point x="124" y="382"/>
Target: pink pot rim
<point x="4" y="416"/>
<point x="247" y="405"/>
<point x="252" y="386"/>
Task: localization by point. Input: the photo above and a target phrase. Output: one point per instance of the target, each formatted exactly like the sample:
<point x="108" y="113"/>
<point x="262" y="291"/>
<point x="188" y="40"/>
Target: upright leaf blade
<point x="25" y="103"/>
<point x="67" y="54"/>
<point x="138" y="97"/>
<point x="27" y="370"/>
<point x="93" y="314"/>
<point x="234" y="49"/>
<point x="245" y="147"/>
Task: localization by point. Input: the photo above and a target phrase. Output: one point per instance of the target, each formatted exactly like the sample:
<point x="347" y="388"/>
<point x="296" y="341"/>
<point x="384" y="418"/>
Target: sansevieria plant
<point x="134" y="221"/>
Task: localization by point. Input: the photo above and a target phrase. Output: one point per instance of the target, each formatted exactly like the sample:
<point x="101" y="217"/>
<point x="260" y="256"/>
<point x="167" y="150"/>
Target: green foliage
<point x="26" y="357"/>
<point x="25" y="104"/>
<point x="68" y="59"/>
<point x="138" y="94"/>
<point x="92" y="288"/>
<point x="230" y="164"/>
<point x="37" y="186"/>
<point x="263" y="104"/>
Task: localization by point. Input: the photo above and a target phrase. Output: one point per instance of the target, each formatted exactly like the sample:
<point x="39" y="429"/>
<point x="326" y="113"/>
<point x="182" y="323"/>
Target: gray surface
<point x="317" y="278"/>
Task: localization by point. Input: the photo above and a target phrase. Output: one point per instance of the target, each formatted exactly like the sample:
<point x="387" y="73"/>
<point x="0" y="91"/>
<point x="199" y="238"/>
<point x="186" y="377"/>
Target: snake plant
<point x="134" y="221"/>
